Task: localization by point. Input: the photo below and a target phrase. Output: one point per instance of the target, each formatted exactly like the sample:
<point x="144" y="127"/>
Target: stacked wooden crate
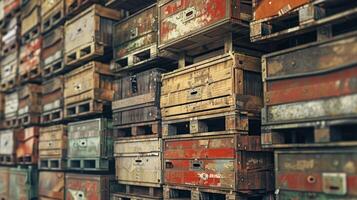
<point x="172" y="99"/>
<point x="309" y="114"/>
<point x="20" y="98"/>
<point x="136" y="106"/>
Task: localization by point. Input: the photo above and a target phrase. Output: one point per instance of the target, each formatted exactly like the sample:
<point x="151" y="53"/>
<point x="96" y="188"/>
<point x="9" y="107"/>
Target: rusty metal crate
<point x="11" y="7"/>
<point x="10" y="37"/>
<point x="86" y="186"/>
<point x="10" y="110"/>
<point x="52" y="52"/>
<point x="190" y="193"/>
<point x="4" y="183"/>
<point x="219" y="94"/>
<point x="51" y="185"/>
<point x="227" y="163"/>
<point x="90" y="145"/>
<point x="30" y="61"/>
<point x="196" y="23"/>
<point x="138" y="162"/>
<point x="30" y="20"/>
<point x="52" y="14"/>
<point x="301" y="19"/>
<point x="53" y="147"/>
<point x="27" y="146"/>
<point x="136" y="105"/>
<point x="89" y="35"/>
<point x="88" y="90"/>
<point x="23" y="183"/>
<point x="311" y="101"/>
<point x="73" y="7"/>
<point x="29" y="110"/>
<point x="9" y="67"/>
<point x="8" y="144"/>
<point x="325" y="173"/>
<point x="52" y="100"/>
<point x="135" y="41"/>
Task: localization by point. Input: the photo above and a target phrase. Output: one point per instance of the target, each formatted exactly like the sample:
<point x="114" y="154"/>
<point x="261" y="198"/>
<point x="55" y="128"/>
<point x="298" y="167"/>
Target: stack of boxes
<point x="172" y="99"/>
<point x="309" y="114"/>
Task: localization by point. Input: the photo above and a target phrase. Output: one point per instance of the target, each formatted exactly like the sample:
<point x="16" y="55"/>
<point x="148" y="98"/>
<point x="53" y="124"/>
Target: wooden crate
<point x="90" y="145"/>
<point x="10" y="37"/>
<point x="314" y="172"/>
<point x="303" y="20"/>
<point x="27" y="147"/>
<point x="222" y="91"/>
<point x="52" y="52"/>
<point x="8" y="144"/>
<point x="311" y="101"/>
<point x="52" y="13"/>
<point x="227" y="163"/>
<point x="87" y="186"/>
<point x="23" y="183"/>
<point x="88" y="90"/>
<point x="52" y="100"/>
<point x="4" y="183"/>
<point x="30" y="61"/>
<point x="10" y="111"/>
<point x="139" y="162"/>
<point x="11" y="7"/>
<point x="135" y="41"/>
<point x="185" y="26"/>
<point x="73" y="7"/>
<point x="51" y="185"/>
<point x="30" y="108"/>
<point x="136" y="107"/>
<point x="9" y="67"/>
<point x="89" y="34"/>
<point x="30" y="20"/>
<point x="53" y="147"/>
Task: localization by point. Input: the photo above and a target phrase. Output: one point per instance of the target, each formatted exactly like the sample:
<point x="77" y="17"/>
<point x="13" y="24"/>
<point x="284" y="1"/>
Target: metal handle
<point x="193" y="92"/>
<point x="196" y="165"/>
<point x="189" y="14"/>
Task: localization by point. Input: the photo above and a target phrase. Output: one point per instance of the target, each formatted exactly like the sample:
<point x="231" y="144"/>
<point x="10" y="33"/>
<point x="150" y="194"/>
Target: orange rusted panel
<point x="270" y="8"/>
<point x="27" y="149"/>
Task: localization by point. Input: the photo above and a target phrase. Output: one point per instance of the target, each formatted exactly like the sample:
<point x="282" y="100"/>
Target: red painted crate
<point x="187" y="23"/>
<point x="316" y="174"/>
<point x="232" y="163"/>
<point x="90" y="187"/>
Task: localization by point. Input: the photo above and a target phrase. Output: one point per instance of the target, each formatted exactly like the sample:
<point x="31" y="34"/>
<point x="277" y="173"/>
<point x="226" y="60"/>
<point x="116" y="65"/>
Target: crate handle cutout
<point x="138" y="162"/>
<point x="189" y="14"/>
<point x="196" y="165"/>
<point x="169" y="165"/>
<point x="334" y="183"/>
<point x="194" y="92"/>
